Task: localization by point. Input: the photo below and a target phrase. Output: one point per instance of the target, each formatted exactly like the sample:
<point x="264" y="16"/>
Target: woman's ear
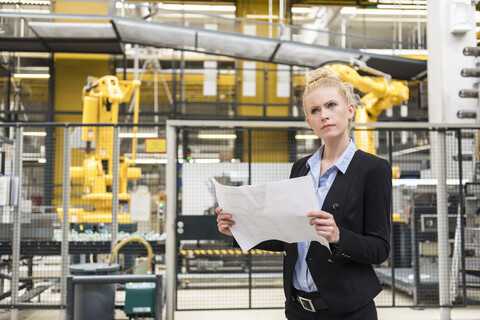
<point x="351" y="111"/>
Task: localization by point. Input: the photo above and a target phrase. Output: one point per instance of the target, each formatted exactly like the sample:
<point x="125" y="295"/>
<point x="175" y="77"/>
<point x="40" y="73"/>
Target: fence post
<point x="17" y="171"/>
<point x="115" y="186"/>
<point x="65" y="215"/>
<point x="442" y="231"/>
<point x="392" y="233"/>
<point x="461" y="213"/>
<point x="170" y="242"/>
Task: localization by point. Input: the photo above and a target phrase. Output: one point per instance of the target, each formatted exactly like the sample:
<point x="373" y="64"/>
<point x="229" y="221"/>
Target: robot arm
<point x="101" y="98"/>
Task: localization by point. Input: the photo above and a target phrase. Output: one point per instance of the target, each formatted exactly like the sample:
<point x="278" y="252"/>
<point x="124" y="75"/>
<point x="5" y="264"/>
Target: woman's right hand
<point x="224" y="221"/>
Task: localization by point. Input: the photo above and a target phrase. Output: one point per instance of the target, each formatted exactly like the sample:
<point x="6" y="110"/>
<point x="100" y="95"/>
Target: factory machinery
<point x="101" y="98"/>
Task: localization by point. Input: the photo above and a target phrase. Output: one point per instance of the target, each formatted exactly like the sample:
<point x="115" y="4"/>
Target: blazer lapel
<point x="337" y="195"/>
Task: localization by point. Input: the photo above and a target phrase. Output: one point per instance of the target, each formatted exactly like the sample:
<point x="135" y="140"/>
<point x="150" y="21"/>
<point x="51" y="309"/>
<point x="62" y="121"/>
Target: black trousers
<point x="294" y="311"/>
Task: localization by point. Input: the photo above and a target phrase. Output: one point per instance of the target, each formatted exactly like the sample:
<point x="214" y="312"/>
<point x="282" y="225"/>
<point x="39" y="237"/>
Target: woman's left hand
<point x="325" y="225"/>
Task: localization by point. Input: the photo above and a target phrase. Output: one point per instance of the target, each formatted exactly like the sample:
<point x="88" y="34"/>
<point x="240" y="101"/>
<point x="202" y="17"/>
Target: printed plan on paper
<point x="274" y="210"/>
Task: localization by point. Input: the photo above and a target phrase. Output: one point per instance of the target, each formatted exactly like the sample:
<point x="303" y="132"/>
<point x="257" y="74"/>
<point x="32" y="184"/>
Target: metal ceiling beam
<point x="110" y="37"/>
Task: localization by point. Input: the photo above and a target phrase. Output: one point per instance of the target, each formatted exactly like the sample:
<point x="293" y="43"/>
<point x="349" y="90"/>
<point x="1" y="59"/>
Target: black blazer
<point x="360" y="203"/>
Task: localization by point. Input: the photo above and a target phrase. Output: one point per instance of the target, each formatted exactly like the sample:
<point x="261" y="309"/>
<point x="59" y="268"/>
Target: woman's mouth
<point x="327" y="126"/>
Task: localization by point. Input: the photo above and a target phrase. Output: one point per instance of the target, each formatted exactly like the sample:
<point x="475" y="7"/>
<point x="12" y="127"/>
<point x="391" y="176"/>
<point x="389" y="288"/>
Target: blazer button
<point x="336" y="206"/>
<point x="330" y="261"/>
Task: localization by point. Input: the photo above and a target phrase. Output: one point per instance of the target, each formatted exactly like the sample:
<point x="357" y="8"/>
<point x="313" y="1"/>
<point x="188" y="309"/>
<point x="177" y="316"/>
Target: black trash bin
<point x="94" y="301"/>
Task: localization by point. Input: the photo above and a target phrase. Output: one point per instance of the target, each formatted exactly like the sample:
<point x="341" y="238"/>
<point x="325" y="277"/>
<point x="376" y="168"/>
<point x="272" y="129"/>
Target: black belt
<point x="310" y="301"/>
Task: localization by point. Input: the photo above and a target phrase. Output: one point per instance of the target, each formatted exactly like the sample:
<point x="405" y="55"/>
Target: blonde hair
<point x="324" y="77"/>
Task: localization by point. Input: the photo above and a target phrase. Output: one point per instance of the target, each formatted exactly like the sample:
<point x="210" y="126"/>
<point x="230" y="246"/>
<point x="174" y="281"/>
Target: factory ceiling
<point x="110" y="37"/>
<point x="315" y="36"/>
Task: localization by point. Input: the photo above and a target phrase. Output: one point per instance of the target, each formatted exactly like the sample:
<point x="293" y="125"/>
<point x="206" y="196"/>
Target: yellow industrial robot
<point x="101" y="98"/>
<point x="381" y="93"/>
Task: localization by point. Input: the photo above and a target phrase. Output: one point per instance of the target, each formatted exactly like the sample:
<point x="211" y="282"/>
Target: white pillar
<point x="170" y="243"/>
<point x="446" y="60"/>
<point x="450" y="28"/>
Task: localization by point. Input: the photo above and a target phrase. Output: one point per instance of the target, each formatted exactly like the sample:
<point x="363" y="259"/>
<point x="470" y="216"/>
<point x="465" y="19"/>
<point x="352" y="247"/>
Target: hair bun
<point x="322" y="73"/>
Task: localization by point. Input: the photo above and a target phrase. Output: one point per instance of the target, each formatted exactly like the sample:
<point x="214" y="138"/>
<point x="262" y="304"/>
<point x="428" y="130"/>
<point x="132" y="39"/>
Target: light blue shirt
<point x="302" y="279"/>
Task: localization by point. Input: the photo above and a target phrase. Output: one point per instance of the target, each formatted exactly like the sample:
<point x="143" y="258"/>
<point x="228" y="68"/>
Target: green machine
<point x="139" y="299"/>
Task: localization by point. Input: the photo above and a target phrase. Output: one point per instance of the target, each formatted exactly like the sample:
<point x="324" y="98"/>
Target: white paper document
<point x="274" y="210"/>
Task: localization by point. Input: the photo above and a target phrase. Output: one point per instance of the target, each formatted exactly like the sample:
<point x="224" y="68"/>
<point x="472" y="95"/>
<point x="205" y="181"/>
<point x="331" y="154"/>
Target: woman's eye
<point x="332" y="105"/>
<point x="314" y="111"/>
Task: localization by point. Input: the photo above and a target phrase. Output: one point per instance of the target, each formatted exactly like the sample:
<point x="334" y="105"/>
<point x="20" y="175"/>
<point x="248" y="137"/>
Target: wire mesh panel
<point x="227" y="278"/>
<point x="208" y="265"/>
<point x="469" y="284"/>
<point x="117" y="220"/>
<point x="9" y="208"/>
<point x="410" y="161"/>
<point x="28" y="274"/>
<point x="432" y="189"/>
<point x="41" y="258"/>
<point x="41" y="270"/>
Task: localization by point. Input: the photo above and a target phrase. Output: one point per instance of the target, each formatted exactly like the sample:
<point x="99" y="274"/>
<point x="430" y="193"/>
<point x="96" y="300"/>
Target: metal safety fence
<point x="121" y="195"/>
<point x="435" y="247"/>
<point x="76" y="196"/>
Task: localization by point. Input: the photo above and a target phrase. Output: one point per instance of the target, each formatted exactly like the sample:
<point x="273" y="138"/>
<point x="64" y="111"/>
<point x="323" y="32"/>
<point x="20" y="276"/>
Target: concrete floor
<point x="470" y="313"/>
<point x="383" y="314"/>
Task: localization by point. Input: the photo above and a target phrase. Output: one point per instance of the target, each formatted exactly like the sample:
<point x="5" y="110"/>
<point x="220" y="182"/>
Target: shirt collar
<point x="341" y="163"/>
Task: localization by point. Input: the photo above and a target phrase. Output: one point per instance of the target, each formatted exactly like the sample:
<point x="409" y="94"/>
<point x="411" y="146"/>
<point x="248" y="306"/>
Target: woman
<point x="353" y="189"/>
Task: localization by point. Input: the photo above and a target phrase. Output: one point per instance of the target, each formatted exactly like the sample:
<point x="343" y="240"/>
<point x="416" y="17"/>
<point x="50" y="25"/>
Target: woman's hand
<point x="325" y="225"/>
<point x="224" y="221"/>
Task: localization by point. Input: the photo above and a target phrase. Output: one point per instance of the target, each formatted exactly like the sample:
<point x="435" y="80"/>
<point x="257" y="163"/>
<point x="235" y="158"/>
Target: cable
<point x="138" y="239"/>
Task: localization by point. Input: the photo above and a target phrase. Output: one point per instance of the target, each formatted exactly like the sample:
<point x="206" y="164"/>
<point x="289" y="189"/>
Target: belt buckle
<point x="307" y="306"/>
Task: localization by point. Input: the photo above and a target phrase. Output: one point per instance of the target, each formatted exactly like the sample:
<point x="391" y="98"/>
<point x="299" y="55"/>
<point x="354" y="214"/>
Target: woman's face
<point x="328" y="113"/>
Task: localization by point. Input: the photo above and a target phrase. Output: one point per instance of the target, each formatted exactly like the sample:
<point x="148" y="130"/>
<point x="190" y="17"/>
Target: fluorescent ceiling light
<point x="401" y="1"/>
<point x="425" y="182"/>
<point x="35" y="133"/>
<point x="138" y="135"/>
<point x="348" y="11"/>
<point x="33" y="2"/>
<point x="195" y="7"/>
<point x="216" y="136"/>
<point x="306" y="137"/>
<point x="372" y="12"/>
<point x="402" y="7"/>
<point x="301" y="10"/>
<point x="206" y="160"/>
<point x="150" y="161"/>
<point x="34" y="157"/>
<point x="261" y="16"/>
<point x="31" y="75"/>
